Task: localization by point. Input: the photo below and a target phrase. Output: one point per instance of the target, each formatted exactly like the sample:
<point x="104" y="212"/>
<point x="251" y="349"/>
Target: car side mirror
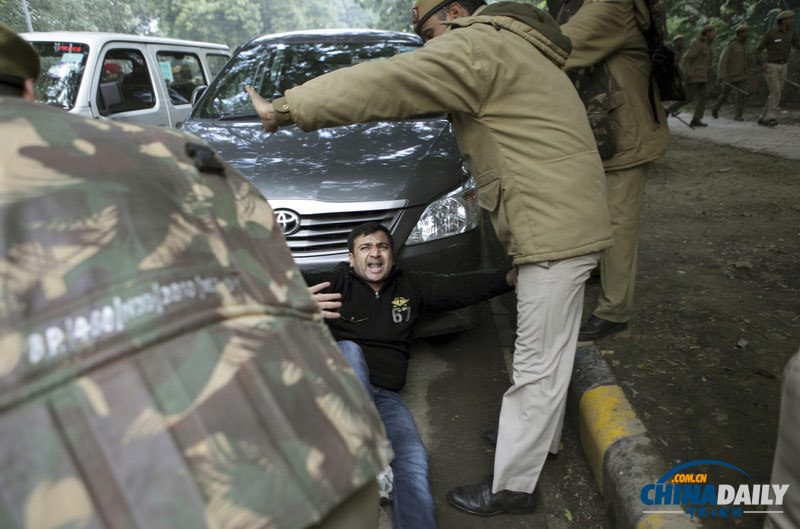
<point x="110" y="95"/>
<point x="197" y="93"/>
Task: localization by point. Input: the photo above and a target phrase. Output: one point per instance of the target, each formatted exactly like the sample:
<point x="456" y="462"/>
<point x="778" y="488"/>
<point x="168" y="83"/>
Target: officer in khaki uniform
<point x="732" y="72"/>
<point x="778" y="42"/>
<point x="523" y="130"/>
<point x="611" y="31"/>
<point x="19" y="65"/>
<point x="696" y="65"/>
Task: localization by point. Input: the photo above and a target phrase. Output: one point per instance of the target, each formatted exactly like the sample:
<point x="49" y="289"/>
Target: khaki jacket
<point x="696" y="63"/>
<point x="519" y="122"/>
<point x="610" y="31"/>
<point x="778" y="45"/>
<point x="733" y="62"/>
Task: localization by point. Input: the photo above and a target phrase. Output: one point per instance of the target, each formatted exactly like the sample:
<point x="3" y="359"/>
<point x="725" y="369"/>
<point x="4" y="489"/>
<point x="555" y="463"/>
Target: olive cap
<point x="17" y="57"/>
<point x="708" y="27"/>
<point x="742" y="27"/>
<point x="785" y="14"/>
<point x="423" y="9"/>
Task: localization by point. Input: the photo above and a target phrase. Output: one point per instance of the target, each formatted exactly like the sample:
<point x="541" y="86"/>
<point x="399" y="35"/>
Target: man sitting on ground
<point x="372" y="308"/>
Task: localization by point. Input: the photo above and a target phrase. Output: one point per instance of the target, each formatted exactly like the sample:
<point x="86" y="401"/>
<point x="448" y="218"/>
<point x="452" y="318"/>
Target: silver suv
<point x="407" y="175"/>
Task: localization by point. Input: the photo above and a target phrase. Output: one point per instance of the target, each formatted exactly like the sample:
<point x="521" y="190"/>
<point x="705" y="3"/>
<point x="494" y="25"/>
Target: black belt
<point x="777" y="62"/>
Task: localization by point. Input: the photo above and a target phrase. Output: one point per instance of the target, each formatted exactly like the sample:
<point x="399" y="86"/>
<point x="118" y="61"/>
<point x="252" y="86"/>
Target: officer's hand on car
<point x="326" y="302"/>
<point x="264" y="109"/>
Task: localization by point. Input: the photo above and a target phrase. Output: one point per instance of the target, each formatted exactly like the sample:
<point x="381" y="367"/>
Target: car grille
<point x="326" y="233"/>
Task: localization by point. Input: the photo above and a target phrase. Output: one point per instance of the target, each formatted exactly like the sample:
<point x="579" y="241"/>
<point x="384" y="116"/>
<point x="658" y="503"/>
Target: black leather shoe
<point x="479" y="499"/>
<point x="697" y="123"/>
<point x="715" y="113"/>
<point x="594" y="328"/>
<point x="738" y="118"/>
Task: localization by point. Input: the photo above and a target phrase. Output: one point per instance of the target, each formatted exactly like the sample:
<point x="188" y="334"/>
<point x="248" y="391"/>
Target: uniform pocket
<point x="488" y="190"/>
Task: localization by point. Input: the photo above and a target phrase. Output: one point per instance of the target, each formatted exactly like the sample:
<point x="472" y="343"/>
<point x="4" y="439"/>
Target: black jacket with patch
<point x="382" y="323"/>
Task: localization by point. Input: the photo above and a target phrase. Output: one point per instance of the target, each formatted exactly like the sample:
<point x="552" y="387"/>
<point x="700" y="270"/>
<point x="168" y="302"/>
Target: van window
<point x="182" y="73"/>
<point x="63" y="64"/>
<point x="125" y="83"/>
<point x="215" y="63"/>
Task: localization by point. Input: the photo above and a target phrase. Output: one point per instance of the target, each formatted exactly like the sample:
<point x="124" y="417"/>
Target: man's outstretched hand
<point x="327" y="303"/>
<point x="264" y="109"/>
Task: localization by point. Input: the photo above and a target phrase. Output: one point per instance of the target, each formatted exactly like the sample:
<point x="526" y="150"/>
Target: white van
<point x="131" y="78"/>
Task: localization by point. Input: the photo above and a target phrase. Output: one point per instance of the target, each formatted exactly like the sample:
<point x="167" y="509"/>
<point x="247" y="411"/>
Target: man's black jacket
<point x="382" y="323"/>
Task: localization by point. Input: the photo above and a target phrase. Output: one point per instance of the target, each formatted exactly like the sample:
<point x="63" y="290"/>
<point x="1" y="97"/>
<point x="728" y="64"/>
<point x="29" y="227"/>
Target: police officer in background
<point x="609" y="34"/>
<point x="778" y="42"/>
<point x="732" y="72"/>
<point x="696" y="66"/>
<point x="19" y="65"/>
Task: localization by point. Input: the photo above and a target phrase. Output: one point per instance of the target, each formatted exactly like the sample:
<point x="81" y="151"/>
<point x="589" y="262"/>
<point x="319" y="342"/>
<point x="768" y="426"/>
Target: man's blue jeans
<point x="413" y="502"/>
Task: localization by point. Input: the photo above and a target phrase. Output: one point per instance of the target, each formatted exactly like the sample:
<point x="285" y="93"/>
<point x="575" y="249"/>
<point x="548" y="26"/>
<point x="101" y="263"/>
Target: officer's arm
<point x="722" y="68"/>
<point x="758" y="54"/>
<point x="444" y="76"/>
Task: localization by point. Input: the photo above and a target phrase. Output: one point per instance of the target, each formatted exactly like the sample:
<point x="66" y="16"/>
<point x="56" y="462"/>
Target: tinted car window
<point x="273" y="68"/>
<point x="63" y="64"/>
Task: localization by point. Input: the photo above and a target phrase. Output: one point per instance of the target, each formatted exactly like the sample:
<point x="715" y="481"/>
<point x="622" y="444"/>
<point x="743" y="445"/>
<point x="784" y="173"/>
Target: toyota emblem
<point x="289" y="221"/>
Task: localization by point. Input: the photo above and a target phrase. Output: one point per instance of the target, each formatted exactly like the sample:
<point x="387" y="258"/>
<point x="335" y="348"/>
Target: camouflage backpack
<point x="593" y="86"/>
<point x="665" y="72"/>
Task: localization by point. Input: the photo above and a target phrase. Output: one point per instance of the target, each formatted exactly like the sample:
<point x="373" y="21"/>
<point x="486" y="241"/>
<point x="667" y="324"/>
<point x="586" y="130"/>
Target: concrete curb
<point x="621" y="456"/>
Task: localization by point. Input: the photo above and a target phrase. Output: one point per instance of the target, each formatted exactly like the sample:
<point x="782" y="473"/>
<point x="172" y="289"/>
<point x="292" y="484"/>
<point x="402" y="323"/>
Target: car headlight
<point x="456" y="212"/>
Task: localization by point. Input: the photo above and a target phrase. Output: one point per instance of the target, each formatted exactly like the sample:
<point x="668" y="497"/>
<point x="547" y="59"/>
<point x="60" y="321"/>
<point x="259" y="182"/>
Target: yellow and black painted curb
<point x="620" y="454"/>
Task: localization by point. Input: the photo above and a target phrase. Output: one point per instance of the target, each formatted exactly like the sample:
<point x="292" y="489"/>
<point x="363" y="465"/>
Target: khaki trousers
<point x="774" y="73"/>
<point x="738" y="97"/>
<point x="549" y="303"/>
<point x="785" y="469"/>
<point x="619" y="263"/>
<point x="693" y="90"/>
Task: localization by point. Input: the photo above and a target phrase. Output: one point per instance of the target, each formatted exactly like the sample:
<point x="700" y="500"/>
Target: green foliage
<point x="74" y="15"/>
<point x="233" y="22"/>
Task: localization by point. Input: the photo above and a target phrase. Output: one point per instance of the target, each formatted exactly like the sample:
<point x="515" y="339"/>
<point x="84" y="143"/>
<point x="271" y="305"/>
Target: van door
<point x="126" y="88"/>
<point x="181" y="71"/>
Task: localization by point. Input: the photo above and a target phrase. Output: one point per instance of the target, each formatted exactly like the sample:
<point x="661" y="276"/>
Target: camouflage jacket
<point x="162" y="364"/>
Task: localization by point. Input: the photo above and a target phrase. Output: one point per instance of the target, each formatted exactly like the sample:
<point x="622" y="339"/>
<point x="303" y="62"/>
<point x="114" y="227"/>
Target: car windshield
<point x="62" y="70"/>
<point x="274" y="67"/>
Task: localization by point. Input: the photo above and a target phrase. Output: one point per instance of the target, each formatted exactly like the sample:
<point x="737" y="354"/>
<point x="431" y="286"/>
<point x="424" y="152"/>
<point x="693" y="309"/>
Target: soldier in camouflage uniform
<point x="162" y="364"/>
<point x="19" y="65"/>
